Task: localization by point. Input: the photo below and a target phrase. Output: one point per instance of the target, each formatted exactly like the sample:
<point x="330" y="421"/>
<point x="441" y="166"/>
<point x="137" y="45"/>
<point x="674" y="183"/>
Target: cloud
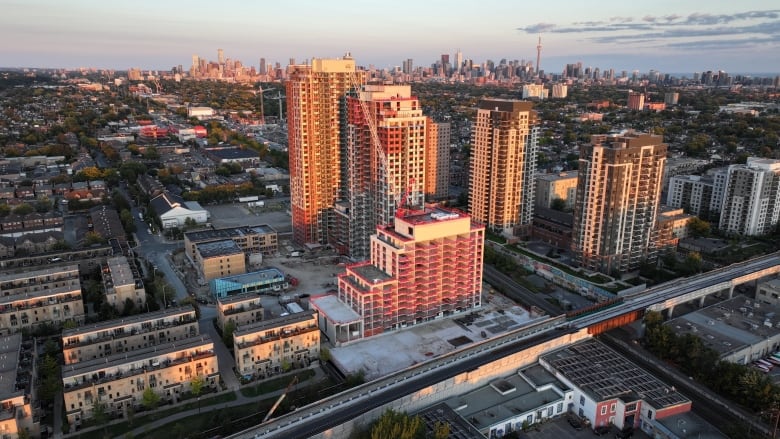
<point x="693" y="31"/>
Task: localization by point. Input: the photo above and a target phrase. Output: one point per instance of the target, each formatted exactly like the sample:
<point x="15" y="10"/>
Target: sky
<point x="680" y="36"/>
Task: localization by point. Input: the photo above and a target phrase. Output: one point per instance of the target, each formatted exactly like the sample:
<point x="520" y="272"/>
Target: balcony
<point x="132" y="332"/>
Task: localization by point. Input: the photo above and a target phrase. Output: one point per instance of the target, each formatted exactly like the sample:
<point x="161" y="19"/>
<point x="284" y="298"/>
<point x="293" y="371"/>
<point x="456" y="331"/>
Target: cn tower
<point x="538" y="54"/>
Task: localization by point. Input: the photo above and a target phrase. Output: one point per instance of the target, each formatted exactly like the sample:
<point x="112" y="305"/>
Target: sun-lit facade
<point x="315" y="98"/>
<point x="426" y="265"/>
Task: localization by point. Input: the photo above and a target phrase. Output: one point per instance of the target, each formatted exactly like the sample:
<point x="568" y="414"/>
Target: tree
<point x="441" y="430"/>
<point x="24" y="209"/>
<point x="91" y="238"/>
<point x="699" y="228"/>
<point x="693" y="262"/>
<point x="196" y="386"/>
<point x="227" y="333"/>
<point x="150" y="399"/>
<point x="558" y="204"/>
<point x="398" y="425"/>
<point x="99" y="414"/>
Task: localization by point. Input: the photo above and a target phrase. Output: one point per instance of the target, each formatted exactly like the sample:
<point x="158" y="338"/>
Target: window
<point x="582" y="400"/>
<point x="559" y="409"/>
<point x="603" y="410"/>
<point x="612" y="408"/>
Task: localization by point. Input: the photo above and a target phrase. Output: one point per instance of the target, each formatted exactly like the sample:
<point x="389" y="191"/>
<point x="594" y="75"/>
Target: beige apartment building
<point x="116" y="336"/>
<point x="18" y="373"/>
<point x="275" y="345"/>
<point x="119" y="380"/>
<point x="251" y="239"/>
<point x="562" y="185"/>
<point x="31" y="298"/>
<point x="618" y="198"/>
<point x="122" y="281"/>
<point x="219" y="259"/>
<point x="503" y="166"/>
<point x="242" y="310"/>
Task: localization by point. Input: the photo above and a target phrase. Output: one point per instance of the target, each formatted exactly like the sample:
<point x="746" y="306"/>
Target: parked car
<point x="601" y="430"/>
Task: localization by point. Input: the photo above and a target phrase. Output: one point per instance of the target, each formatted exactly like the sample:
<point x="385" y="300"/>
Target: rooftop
<point x="71" y="270"/>
<point x="558" y="176"/>
<point x="442" y="413"/>
<point x="9" y="363"/>
<point x="502" y="399"/>
<point x="336" y="310"/>
<point x="218" y="248"/>
<point x="231" y="232"/>
<point x="126" y="321"/>
<point x="435" y="214"/>
<point x="689" y="424"/>
<point x="604" y="374"/>
<point x="254" y="277"/>
<point x="731" y="325"/>
<point x="277" y="322"/>
<point x="370" y="273"/>
<point x="121" y="274"/>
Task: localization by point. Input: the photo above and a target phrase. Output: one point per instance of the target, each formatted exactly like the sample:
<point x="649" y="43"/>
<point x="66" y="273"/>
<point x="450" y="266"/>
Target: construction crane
<point x="157" y="85"/>
<point x="281" y="397"/>
<point x="280" y="96"/>
<point x="262" y="98"/>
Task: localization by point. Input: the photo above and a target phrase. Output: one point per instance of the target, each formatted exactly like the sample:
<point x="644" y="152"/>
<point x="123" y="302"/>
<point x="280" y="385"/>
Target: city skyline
<point x="665" y="36"/>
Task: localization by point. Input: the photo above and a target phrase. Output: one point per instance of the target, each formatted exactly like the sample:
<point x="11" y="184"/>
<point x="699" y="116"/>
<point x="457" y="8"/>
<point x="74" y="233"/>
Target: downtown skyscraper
<point x="316" y="97"/>
<point x="618" y="196"/>
<point x="503" y="166"/>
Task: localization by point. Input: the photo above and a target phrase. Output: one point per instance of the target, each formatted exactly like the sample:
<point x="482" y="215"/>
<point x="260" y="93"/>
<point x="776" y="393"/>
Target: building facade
<point x="122" y="282"/>
<point x="18" y="373"/>
<point x="382" y="177"/>
<point x="241" y="310"/>
<point x="120" y="380"/>
<point x="696" y="195"/>
<point x="618" y="196"/>
<point x="273" y="346"/>
<point x="636" y="101"/>
<point x="503" y="165"/>
<point x="426" y="265"/>
<point x="268" y="281"/>
<point x="437" y="162"/>
<point x="550" y="187"/>
<point x="751" y="202"/>
<point x="33" y="298"/>
<point x="315" y="121"/>
<point x="219" y="259"/>
<point x="251" y="239"/>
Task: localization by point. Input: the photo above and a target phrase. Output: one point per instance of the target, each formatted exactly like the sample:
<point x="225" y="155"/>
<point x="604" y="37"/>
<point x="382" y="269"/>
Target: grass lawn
<point x="276" y="384"/>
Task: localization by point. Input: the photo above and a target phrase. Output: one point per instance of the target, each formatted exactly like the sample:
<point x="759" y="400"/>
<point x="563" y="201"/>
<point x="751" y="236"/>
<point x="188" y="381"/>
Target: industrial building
<point x="268" y="281"/>
<point x="272" y="346"/>
<point x="173" y="211"/>
<point x="618" y="194"/>
<point x="98" y="340"/>
<point x="46" y="296"/>
<point x="610" y="390"/>
<point x="503" y="166"/>
<point x="740" y="329"/>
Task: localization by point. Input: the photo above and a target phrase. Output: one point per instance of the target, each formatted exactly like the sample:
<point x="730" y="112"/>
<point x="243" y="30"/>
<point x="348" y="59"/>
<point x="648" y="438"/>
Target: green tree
<point x="150" y="399"/>
<point x="693" y="262"/>
<point x="699" y="228"/>
<point x="196" y="385"/>
<point x="558" y="204"/>
<point x="99" y="415"/>
<point x="24" y="209"/>
<point x="398" y="425"/>
<point x="227" y="333"/>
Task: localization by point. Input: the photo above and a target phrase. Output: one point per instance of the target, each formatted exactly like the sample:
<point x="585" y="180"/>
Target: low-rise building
<point x="550" y="187"/>
<point x="768" y="292"/>
<point x="268" y="281"/>
<point x="740" y="329"/>
<point x="275" y="345"/>
<point x="111" y="337"/>
<point x="173" y="211"/>
<point x="242" y="310"/>
<point x="17" y="381"/>
<point x="251" y="239"/>
<point x="219" y="259"/>
<point x="610" y="390"/>
<point x="122" y="282"/>
<point x="672" y="226"/>
<point x="120" y="380"/>
<point x="47" y="296"/>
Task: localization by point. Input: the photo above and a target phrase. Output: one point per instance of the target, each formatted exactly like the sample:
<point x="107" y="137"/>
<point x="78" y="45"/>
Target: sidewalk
<point x="142" y="429"/>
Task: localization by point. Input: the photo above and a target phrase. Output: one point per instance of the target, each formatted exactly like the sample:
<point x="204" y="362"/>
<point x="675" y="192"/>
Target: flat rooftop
<point x="229" y="232"/>
<point x="254" y="298"/>
<point x="538" y="376"/>
<point x="277" y="322"/>
<point x="370" y="273"/>
<point x="442" y="413"/>
<point x="500" y="400"/>
<point x="334" y="309"/>
<point x="558" y="176"/>
<point x="26" y="274"/>
<point x="53" y="292"/>
<point x="689" y="424"/>
<point x="218" y="248"/>
<point x="434" y="214"/>
<point x="731" y="325"/>
<point x="604" y="374"/>
<point x="126" y="321"/>
<point x="121" y="274"/>
<point x="255" y="277"/>
<point x="9" y="363"/>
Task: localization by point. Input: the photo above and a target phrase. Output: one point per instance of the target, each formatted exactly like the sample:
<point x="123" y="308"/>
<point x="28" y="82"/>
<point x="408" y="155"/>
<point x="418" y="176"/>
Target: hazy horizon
<point x="664" y="35"/>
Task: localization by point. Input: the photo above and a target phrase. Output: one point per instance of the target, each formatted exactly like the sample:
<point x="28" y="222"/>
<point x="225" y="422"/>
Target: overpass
<point x="336" y="410"/>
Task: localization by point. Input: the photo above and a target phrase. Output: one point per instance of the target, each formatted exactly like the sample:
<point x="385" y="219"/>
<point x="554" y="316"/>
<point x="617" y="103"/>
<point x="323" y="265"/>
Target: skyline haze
<point x="663" y="35"/>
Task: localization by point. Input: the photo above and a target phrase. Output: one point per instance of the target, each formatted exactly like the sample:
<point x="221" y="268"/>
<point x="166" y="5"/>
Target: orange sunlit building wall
<point x="315" y="95"/>
<point x="427" y="264"/>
